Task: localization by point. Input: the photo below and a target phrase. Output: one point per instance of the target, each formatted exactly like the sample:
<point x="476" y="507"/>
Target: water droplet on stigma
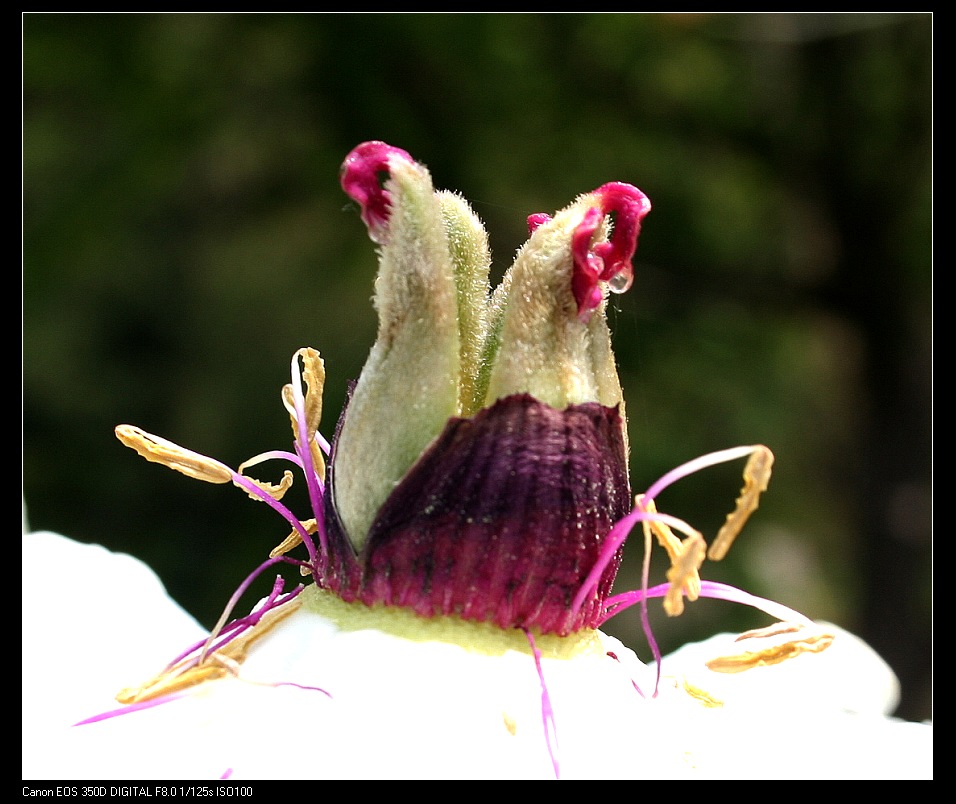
<point x="620" y="282"/>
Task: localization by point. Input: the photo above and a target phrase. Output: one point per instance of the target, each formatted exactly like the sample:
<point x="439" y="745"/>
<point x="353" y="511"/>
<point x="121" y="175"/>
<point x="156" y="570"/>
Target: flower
<point x="462" y="549"/>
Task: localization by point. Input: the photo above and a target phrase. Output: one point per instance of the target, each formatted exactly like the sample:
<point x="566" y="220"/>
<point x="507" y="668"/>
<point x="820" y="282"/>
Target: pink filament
<point x="547" y="712"/>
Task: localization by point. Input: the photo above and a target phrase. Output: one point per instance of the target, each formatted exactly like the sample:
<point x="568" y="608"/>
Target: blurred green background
<point x="184" y="233"/>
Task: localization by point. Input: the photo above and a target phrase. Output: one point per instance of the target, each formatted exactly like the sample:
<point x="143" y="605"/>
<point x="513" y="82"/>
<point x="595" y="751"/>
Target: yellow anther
<point x="773" y="654"/>
<point x="159" y="450"/>
<point x="683" y="575"/>
<point x="215" y="665"/>
<point x="274" y="490"/>
<point x="170" y="681"/>
<point x="698" y="694"/>
<point x="293" y="540"/>
<point x="665" y="536"/>
<point x="313" y="373"/>
<point x="777" y="629"/>
<point x="756" y="478"/>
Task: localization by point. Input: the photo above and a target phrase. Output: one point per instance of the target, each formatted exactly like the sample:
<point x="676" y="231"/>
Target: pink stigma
<point x="536" y="220"/>
<point x="360" y="176"/>
<point x="610" y="260"/>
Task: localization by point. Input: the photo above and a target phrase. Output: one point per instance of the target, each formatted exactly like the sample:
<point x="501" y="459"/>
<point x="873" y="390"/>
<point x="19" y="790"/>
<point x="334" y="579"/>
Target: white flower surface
<point x="339" y="691"/>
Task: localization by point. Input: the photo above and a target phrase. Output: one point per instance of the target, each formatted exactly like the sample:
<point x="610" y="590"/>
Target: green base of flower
<point x="477" y="637"/>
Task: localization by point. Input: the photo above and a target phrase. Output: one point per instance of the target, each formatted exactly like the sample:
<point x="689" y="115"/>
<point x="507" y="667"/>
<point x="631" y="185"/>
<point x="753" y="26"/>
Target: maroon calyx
<point x="500" y="520"/>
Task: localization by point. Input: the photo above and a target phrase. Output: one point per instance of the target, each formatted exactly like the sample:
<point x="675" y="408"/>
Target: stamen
<point x="775" y="654"/>
<point x="129" y="709"/>
<point x="313" y="374"/>
<point x="686" y="580"/>
<point x="223" y="650"/>
<point x="708" y="589"/>
<point x="248" y="485"/>
<point x="275" y="490"/>
<point x="776" y="629"/>
<point x="686" y="557"/>
<point x="276" y="589"/>
<point x="158" y="450"/>
<point x="695" y="465"/>
<point x="169" y="682"/>
<point x="162" y="451"/>
<point x="723" y="591"/>
<point x="305" y="444"/>
<point x="684" y="573"/>
<point x="645" y="617"/>
<point x="704" y="697"/>
<point x="547" y="712"/>
<point x="756" y="478"/>
<point x="269" y="455"/>
<point x="617" y="536"/>
<point x="293" y="540"/>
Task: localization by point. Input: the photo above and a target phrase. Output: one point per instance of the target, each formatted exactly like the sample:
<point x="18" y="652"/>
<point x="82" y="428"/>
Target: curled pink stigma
<point x="360" y="176"/>
<point x="588" y="266"/>
<point x="608" y="261"/>
<point x="536" y="220"/>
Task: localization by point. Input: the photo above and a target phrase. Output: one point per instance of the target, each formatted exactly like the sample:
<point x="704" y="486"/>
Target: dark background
<point x="184" y="233"/>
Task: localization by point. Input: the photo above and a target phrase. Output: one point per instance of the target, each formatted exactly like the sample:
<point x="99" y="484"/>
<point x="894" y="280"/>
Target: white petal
<point x="92" y="622"/>
<point x="423" y="707"/>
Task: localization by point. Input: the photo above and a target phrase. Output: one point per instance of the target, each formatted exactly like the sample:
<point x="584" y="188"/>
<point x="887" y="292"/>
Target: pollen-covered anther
<point x="756" y="478"/>
<point x="293" y="540"/>
<point x="313" y="374"/>
<point x="159" y="450"/>
<point x="686" y="558"/>
<point x="191" y="672"/>
<point x="777" y="629"/>
<point x="788" y="642"/>
<point x="171" y="681"/>
<point x="684" y="574"/>
<point x="275" y="490"/>
<point x="700" y="695"/>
